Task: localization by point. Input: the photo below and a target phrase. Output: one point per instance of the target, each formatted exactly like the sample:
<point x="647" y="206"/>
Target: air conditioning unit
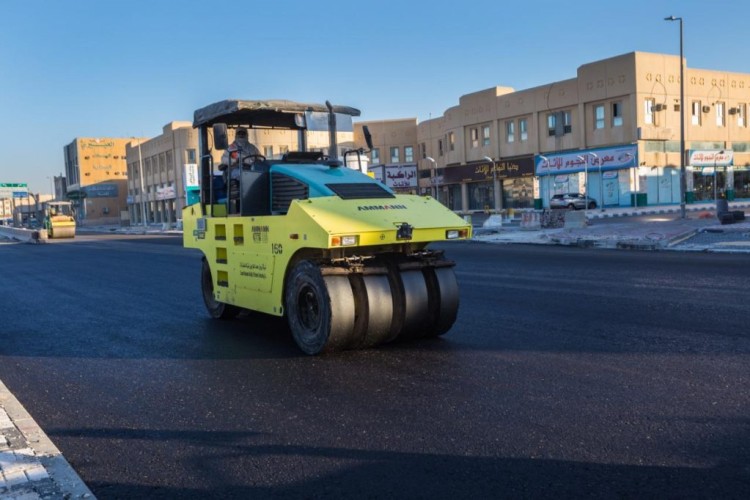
<point x="706" y="109"/>
<point x="734" y="111"/>
<point x="658" y="107"/>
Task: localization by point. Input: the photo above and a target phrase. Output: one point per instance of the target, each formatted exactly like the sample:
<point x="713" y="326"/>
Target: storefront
<point x="514" y="178"/>
<point x="608" y="175"/>
<point x="711" y="175"/>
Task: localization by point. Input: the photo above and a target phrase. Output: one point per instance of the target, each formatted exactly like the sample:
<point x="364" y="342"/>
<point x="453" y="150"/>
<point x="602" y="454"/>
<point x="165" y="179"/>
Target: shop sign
<point x="401" y="176"/>
<point x="593" y="159"/>
<point x="100" y="191"/>
<point x="165" y="193"/>
<point x="612" y="174"/>
<point x="703" y="158"/>
<point x="502" y="169"/>
<point x="191" y="176"/>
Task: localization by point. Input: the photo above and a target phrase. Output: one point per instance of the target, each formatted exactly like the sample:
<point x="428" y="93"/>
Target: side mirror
<point x="221" y="138"/>
<point x="368" y="136"/>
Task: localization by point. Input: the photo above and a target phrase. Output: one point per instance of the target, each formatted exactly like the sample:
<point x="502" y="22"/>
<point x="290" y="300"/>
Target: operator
<point x="240" y="147"/>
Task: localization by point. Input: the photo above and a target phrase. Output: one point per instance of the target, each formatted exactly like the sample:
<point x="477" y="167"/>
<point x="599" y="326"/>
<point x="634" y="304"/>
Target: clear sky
<point x="108" y="68"/>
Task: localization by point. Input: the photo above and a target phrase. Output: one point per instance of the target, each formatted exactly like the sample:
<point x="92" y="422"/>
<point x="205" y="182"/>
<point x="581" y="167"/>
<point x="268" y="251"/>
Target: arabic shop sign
<point x="593" y="159"/>
<point x="401" y="176"/>
<point x="165" y="192"/>
<point x="483" y="172"/>
<point x="700" y="158"/>
<point x="191" y="176"/>
<point x="100" y="191"/>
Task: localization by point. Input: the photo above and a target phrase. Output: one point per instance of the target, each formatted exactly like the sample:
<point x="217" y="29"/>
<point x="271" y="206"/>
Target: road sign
<point x="14" y="190"/>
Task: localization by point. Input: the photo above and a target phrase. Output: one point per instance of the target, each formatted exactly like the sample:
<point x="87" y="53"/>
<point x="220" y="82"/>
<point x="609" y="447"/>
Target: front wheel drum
<point x="319" y="309"/>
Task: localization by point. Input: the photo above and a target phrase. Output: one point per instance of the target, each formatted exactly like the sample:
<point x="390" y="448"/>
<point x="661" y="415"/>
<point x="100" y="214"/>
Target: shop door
<point x="611" y="192"/>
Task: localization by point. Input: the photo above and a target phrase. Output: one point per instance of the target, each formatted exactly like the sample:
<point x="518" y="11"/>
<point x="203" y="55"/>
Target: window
<point x="486" y="135"/>
<point x="523" y="128"/>
<point x="648" y="111"/>
<point x="551" y="124"/>
<point x="283" y="150"/>
<point x="268" y="151"/>
<point x="720" y="114"/>
<point x="423" y="150"/>
<point x="375" y="156"/>
<point x="395" y="154"/>
<point x="451" y="141"/>
<point x="474" y="133"/>
<point x="599" y="116"/>
<point x="617" y="114"/>
<point x="191" y="156"/>
<point x="695" y="118"/>
<point x="510" y="131"/>
<point x="408" y="154"/>
<point x="741" y="113"/>
<point x="440" y="147"/>
<point x="567" y="122"/>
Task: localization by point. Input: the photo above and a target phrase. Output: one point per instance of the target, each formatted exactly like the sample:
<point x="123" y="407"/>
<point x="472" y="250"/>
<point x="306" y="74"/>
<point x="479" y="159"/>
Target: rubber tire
<point x="571" y="207"/>
<point x="319" y="309"/>
<point x="592" y="205"/>
<point x="374" y="310"/>
<point x="216" y="309"/>
<point x="442" y="287"/>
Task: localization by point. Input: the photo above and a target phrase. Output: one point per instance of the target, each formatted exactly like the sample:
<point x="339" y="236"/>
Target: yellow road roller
<point x="59" y="220"/>
<point x="339" y="254"/>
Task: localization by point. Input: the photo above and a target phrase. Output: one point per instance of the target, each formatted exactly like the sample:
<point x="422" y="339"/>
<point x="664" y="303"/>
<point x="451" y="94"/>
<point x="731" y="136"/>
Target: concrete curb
<point x="31" y="466"/>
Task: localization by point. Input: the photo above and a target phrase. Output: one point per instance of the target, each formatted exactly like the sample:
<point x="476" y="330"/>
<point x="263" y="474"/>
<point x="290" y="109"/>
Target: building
<point x="612" y="132"/>
<point x="96" y="174"/>
<point x="392" y="159"/>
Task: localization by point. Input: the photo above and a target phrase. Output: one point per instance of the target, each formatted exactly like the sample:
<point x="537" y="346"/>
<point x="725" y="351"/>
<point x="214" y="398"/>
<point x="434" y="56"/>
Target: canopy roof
<point x="275" y="113"/>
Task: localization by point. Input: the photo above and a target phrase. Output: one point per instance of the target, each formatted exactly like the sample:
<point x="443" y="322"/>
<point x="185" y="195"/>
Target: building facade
<point x="393" y="158"/>
<point x="96" y="174"/>
<point x="612" y="132"/>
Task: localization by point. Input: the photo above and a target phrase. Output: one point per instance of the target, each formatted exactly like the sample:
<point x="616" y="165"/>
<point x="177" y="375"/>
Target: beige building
<point x="393" y="158"/>
<point x="96" y="174"/>
<point x="613" y="132"/>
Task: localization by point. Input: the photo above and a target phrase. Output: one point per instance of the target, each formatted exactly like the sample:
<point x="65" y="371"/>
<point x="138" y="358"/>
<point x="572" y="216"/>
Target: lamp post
<point x="601" y="178"/>
<point x="586" y="186"/>
<point x="716" y="159"/>
<point x="495" y="191"/>
<point x="433" y="178"/>
<point x="683" y="180"/>
<point x="143" y="194"/>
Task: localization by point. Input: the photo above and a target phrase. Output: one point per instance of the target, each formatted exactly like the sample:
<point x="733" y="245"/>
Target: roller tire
<point x="374" y="310"/>
<point x="416" y="305"/>
<point x="320" y="309"/>
<point x="442" y="287"/>
<point x="216" y="309"/>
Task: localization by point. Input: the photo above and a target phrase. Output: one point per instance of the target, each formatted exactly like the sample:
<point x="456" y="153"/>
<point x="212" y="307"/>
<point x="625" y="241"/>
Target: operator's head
<point x="241" y="136"/>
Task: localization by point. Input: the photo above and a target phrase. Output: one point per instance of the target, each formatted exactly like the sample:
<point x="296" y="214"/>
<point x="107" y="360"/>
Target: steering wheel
<point x="254" y="157"/>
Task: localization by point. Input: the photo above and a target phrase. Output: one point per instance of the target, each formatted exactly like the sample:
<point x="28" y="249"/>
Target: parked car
<point x="573" y="201"/>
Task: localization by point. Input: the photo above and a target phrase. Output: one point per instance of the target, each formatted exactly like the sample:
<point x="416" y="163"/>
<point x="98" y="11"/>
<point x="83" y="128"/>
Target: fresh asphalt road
<point x="569" y="373"/>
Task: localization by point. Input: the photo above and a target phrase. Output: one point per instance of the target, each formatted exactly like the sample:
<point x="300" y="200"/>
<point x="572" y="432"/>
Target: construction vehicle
<point x="335" y="251"/>
<point x="59" y="219"/>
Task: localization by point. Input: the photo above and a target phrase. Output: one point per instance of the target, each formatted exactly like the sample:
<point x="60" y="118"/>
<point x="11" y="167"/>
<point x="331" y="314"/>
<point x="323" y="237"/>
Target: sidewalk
<point x="31" y="467"/>
<point x="699" y="231"/>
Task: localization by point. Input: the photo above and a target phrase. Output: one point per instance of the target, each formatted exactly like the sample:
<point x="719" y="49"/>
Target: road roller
<point x="342" y="257"/>
<point x="59" y="220"/>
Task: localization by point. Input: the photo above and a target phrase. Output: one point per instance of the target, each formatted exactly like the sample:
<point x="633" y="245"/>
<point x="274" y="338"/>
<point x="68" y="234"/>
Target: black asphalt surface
<point x="571" y="373"/>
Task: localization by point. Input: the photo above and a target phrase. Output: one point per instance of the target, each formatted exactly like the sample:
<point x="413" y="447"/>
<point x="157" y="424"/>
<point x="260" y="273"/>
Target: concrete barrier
<point x="24" y="235"/>
<point x="531" y="221"/>
<point x="575" y="219"/>
<point x="493" y="221"/>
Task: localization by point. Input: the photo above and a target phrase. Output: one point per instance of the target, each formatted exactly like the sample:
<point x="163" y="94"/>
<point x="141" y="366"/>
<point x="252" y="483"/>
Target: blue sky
<point x="85" y="68"/>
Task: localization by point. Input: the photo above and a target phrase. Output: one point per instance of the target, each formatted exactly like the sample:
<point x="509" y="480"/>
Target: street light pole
<point x="601" y="178"/>
<point x="683" y="180"/>
<point x="495" y="190"/>
<point x="716" y="159"/>
<point x="143" y="194"/>
<point x="433" y="178"/>
<point x="586" y="186"/>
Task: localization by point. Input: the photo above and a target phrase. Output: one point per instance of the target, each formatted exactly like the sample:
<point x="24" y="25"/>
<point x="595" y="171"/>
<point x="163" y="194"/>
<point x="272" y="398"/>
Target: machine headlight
<point x="344" y="241"/>
<point x="453" y="234"/>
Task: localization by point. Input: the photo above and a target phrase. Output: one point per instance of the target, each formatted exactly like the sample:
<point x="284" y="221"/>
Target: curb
<point x="31" y="466"/>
